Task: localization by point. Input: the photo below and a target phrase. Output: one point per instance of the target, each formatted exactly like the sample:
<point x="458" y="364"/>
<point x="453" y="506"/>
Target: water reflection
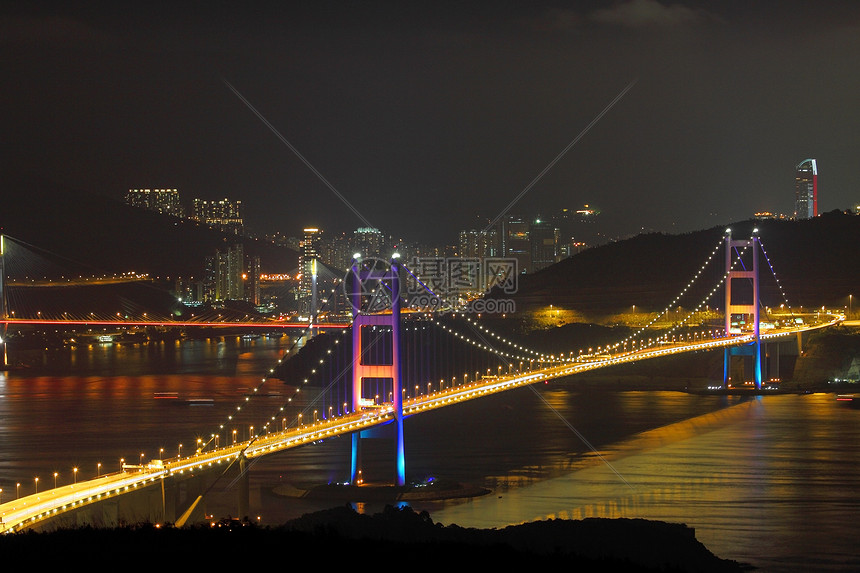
<point x="770" y="481"/>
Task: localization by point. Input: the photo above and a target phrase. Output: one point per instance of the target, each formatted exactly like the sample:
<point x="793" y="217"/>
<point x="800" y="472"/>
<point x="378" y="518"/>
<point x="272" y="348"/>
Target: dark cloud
<point x="650" y="13"/>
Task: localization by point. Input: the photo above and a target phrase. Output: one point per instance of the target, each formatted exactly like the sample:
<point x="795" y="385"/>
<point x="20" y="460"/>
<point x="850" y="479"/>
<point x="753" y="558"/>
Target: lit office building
<point x="307" y="255"/>
<point x="517" y="243"/>
<point x="543" y="238"/>
<point x="806" y="190"/>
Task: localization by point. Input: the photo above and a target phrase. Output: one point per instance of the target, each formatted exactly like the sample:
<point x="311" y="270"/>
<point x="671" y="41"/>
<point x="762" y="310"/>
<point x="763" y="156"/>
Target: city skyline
<point x="669" y="116"/>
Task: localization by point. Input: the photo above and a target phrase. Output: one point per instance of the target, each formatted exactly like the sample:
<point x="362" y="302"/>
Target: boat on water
<point x="852" y="400"/>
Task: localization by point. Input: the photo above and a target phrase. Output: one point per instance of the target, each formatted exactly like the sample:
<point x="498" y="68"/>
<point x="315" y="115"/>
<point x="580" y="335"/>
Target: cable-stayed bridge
<point x="401" y="362"/>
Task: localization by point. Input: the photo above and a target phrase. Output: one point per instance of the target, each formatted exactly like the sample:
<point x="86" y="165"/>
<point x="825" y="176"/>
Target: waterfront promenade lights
<point x="17" y="490"/>
<point x="37" y="485"/>
<point x="75" y="474"/>
<point x="55" y="479"/>
<point x="98" y="469"/>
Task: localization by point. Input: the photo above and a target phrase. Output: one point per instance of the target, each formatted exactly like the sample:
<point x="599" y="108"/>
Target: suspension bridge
<point x="396" y="361"/>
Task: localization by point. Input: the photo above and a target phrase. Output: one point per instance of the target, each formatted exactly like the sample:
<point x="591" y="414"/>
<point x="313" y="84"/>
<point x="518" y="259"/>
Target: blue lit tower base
<point x="748" y="310"/>
<point x="390" y="277"/>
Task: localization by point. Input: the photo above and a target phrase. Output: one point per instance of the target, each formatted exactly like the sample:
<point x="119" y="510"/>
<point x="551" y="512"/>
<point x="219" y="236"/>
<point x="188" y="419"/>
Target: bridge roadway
<point x="39" y="507"/>
<point x="274" y="324"/>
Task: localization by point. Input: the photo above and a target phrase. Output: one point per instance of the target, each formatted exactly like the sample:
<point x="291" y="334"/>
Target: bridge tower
<point x="314" y="304"/>
<point x="377" y="282"/>
<point x="3" y="308"/>
<point x="744" y="310"/>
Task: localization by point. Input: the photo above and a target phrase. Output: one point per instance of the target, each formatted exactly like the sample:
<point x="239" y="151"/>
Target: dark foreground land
<point x="394" y="538"/>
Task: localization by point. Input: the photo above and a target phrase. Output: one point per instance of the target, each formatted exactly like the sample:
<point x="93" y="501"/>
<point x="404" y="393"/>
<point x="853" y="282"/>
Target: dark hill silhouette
<point x="108" y="236"/>
<point x="817" y="262"/>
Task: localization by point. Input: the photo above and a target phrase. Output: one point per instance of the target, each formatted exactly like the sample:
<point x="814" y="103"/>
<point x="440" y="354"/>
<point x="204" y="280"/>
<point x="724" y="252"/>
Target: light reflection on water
<point x="771" y="481"/>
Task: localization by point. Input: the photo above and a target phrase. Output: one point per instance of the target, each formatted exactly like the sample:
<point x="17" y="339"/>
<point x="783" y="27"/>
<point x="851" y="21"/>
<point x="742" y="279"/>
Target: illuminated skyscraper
<point x="806" y="190"/>
<point x="308" y="259"/>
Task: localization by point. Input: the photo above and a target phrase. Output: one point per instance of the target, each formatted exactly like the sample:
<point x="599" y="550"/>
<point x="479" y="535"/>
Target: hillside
<point x="98" y="235"/>
<point x="817" y="263"/>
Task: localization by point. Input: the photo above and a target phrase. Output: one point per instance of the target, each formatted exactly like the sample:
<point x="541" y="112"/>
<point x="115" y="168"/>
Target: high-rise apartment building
<point x="369" y="242"/>
<point x="229" y="268"/>
<point x="806" y="190"/>
<point x="252" y="281"/>
<point x="222" y="214"/>
<point x="164" y="201"/>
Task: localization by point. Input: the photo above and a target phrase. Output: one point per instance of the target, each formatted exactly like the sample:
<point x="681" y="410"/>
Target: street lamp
<point x="55" y="479"/>
<point x="17" y="490"/>
<point x="98" y="469"/>
<point x="37" y="485"/>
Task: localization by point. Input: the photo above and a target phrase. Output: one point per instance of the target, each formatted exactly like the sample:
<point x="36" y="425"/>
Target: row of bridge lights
<point x="633" y="338"/>
<point x="536" y="356"/>
<point x="37" y="479"/>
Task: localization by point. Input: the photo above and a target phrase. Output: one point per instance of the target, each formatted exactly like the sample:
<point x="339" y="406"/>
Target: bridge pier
<point x="244" y="489"/>
<point x="772" y="358"/>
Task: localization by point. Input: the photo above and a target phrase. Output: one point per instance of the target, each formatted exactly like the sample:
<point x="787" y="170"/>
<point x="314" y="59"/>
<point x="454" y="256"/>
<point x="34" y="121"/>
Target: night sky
<point x="425" y="119"/>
